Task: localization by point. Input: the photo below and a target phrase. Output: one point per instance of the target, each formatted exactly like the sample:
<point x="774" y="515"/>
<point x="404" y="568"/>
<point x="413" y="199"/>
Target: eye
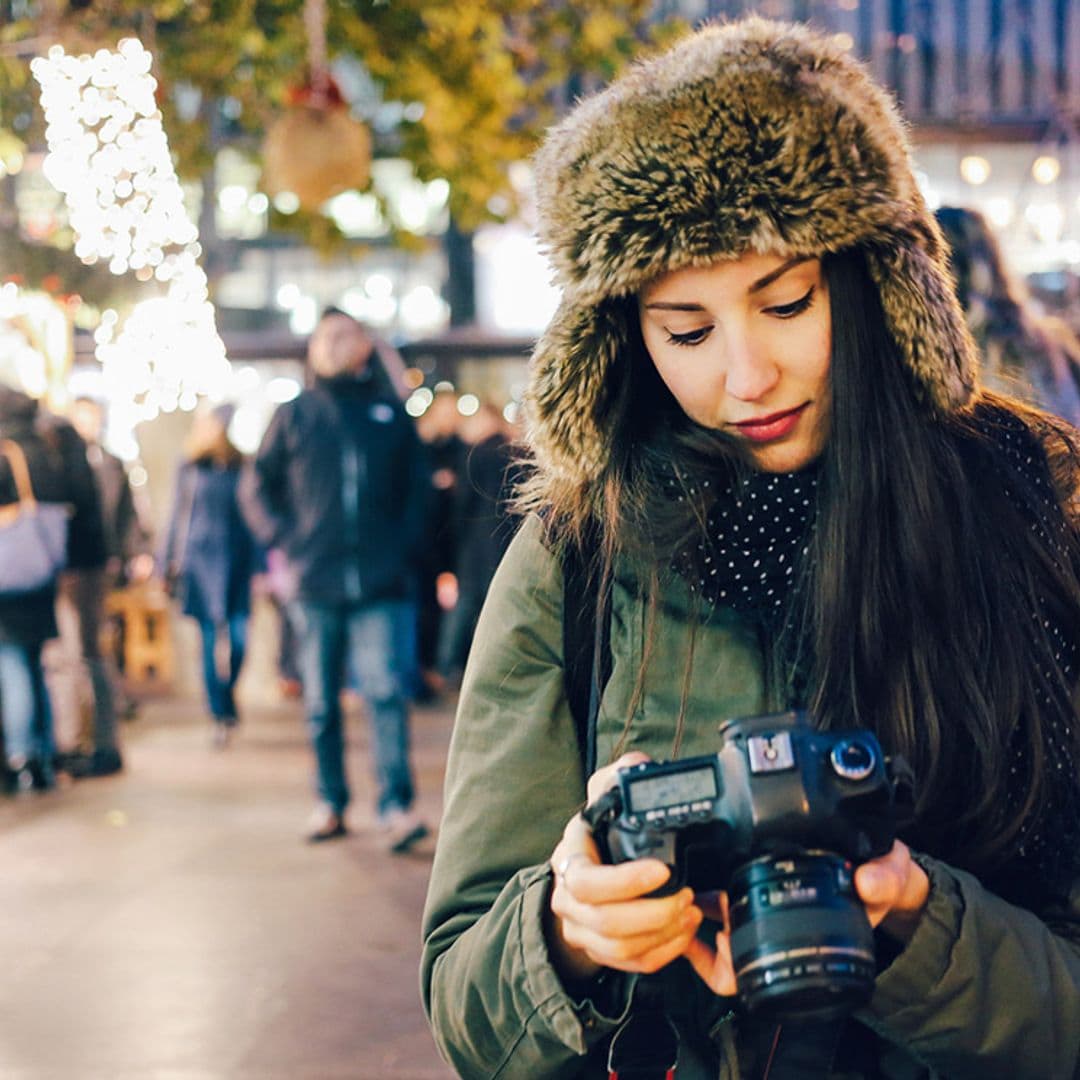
<point x="796" y="307"/>
<point x="692" y="337"/>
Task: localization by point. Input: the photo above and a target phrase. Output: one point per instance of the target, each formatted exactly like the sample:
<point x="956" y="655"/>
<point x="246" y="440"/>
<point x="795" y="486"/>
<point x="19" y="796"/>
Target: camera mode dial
<point x="852" y="759"/>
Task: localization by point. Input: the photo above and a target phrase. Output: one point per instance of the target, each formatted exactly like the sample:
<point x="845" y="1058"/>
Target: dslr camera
<point x="779" y="817"/>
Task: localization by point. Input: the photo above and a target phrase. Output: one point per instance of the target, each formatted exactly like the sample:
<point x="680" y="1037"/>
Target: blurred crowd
<point x="373" y="536"/>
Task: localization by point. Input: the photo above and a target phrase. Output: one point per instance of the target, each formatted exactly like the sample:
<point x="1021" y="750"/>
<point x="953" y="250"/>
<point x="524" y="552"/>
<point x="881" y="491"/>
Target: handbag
<point x="33" y="535"/>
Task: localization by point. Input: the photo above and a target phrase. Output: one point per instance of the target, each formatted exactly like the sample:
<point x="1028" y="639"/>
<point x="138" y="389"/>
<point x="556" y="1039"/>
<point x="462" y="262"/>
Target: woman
<point x="1024" y="352"/>
<point x="210" y="557"/>
<point x="759" y="392"/>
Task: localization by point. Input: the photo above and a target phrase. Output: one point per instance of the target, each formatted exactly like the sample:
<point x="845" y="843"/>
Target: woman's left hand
<point x="893" y="888"/>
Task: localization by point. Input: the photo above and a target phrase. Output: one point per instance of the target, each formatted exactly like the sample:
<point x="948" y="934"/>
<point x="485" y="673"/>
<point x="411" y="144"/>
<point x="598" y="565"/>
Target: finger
<point x="663" y="955"/>
<point x="591" y="882"/>
<point x="577" y="845"/>
<point x="880" y="882"/>
<point x="636" y="952"/>
<point x="577" y="836"/>
<point x="604" y="778"/>
<point x="895" y="891"/>
<point x="713" y="964"/>
<point x="626" y="918"/>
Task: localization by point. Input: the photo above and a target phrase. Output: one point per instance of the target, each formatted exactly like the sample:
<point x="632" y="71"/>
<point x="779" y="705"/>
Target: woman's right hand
<point x="600" y="916"/>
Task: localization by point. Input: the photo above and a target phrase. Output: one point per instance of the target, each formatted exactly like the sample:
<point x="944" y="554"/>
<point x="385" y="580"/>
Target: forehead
<point x="333" y="326"/>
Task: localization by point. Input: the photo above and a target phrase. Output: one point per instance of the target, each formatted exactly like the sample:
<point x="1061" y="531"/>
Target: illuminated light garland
<point x="109" y="156"/>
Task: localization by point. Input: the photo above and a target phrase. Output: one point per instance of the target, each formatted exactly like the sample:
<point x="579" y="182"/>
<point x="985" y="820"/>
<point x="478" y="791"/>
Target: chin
<point x="783" y="459"/>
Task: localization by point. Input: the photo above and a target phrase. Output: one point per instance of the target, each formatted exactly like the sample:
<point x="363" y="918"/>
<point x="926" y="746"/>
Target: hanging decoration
<point x="316" y="148"/>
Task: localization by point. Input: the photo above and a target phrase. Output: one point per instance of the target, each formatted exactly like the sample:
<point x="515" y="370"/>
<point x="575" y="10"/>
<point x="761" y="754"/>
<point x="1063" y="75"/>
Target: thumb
<point x="604" y="778"/>
<point x="874" y="883"/>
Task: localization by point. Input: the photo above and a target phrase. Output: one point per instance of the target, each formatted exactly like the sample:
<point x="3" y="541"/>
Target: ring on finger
<point x="564" y="865"/>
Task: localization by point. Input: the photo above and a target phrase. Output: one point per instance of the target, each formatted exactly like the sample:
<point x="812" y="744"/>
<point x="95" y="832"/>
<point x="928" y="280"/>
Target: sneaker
<point x="102" y="762"/>
<point x="400" y="829"/>
<point x="325" y="824"/>
<point x="105" y="761"/>
<point x="32" y="775"/>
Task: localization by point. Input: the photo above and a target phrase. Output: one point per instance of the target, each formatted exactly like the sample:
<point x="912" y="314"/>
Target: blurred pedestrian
<point x="128" y="534"/>
<point x="340" y="484"/>
<point x="438" y="427"/>
<point x="128" y="559"/>
<point x="55" y="458"/>
<point x="74" y="659"/>
<point x="1024" y="352"/>
<point x="483" y="524"/>
<point x="211" y="556"/>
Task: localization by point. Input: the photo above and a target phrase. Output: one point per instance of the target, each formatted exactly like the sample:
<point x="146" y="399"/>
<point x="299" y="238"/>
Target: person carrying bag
<point x="33" y="534"/>
<point x="44" y="505"/>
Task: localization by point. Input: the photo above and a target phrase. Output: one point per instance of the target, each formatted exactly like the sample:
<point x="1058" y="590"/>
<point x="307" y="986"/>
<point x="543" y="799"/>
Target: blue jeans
<point x="364" y="640"/>
<point x="27" y="715"/>
<point x="219" y="688"/>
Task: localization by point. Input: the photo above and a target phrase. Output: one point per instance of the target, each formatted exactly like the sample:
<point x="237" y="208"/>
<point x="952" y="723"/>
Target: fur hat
<point x="755" y="136"/>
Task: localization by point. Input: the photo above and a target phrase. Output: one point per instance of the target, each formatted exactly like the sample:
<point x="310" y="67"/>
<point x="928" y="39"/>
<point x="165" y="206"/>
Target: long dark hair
<point x="917" y="606"/>
<point x="930" y="566"/>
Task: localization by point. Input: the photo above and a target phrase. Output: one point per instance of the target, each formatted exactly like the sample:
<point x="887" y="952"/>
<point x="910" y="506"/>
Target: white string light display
<point x="109" y="156"/>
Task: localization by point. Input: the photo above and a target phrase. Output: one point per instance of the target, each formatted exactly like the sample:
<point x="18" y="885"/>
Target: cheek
<point x="685" y="385"/>
<point x="822" y="351"/>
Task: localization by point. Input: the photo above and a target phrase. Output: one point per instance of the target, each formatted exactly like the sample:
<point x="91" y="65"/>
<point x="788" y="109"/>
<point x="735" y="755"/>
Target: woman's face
<point x="744" y="345"/>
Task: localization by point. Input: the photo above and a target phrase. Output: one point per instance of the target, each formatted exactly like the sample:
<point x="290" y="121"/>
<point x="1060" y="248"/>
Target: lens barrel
<point x="800" y="940"/>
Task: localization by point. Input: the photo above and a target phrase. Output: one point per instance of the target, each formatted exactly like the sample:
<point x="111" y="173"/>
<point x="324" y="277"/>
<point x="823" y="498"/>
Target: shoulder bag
<point x="33" y="535"/>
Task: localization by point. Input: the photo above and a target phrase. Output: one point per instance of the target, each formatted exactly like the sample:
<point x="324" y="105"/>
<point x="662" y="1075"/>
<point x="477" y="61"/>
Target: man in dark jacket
<point x="339" y="484"/>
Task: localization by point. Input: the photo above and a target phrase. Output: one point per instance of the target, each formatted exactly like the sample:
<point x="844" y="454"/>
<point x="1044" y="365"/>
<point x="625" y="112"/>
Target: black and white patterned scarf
<point x="753" y="558"/>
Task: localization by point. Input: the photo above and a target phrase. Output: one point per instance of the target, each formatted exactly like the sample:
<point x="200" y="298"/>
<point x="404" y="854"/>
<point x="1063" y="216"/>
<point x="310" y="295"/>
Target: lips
<point x="774" y="426"/>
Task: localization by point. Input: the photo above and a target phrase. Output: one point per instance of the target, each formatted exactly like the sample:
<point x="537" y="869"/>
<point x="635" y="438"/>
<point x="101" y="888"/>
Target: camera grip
<point x="626" y="845"/>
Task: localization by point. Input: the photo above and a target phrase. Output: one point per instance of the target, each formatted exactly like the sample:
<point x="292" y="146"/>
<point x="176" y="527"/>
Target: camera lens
<point x="800" y="941"/>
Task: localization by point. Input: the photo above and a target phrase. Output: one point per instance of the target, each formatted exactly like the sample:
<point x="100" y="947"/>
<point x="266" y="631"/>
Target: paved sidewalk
<point x="169" y="924"/>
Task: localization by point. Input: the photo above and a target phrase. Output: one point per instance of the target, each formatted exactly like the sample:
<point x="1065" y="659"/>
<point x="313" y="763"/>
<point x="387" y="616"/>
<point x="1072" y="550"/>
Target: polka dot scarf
<point x="1049" y="847"/>
<point x="757" y="535"/>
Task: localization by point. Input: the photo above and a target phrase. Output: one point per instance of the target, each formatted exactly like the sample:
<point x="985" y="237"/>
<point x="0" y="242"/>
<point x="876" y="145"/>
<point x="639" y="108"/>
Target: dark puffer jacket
<point x="340" y="484"/>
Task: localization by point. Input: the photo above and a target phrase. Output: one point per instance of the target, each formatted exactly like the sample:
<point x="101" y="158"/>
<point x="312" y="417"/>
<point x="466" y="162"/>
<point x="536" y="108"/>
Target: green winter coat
<point x="983" y="989"/>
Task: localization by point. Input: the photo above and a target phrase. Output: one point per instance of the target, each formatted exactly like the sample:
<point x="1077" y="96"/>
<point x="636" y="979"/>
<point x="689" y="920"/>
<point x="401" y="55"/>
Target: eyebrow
<point x="757" y="286"/>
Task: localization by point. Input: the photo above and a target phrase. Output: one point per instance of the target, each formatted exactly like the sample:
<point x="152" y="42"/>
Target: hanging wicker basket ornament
<point x="316" y="148"/>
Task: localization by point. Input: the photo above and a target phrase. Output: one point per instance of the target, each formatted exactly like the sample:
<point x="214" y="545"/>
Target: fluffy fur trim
<point x="755" y="136"/>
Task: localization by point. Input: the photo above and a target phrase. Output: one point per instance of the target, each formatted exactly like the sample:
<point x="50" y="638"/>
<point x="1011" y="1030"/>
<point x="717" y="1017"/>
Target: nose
<point x="751" y="372"/>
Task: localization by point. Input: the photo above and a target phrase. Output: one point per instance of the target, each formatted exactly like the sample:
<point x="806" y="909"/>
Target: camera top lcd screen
<point x="672" y="789"/>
